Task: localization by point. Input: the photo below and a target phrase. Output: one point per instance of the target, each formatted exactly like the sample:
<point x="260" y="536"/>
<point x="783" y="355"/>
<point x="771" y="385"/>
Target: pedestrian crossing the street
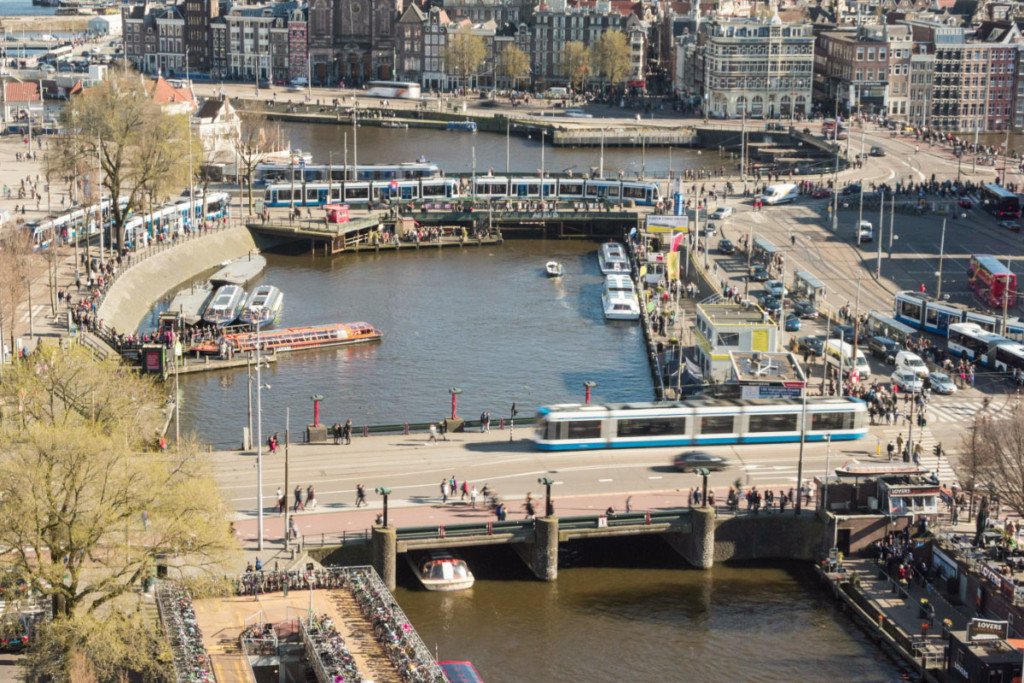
<point x="950" y="409"/>
<point x="938" y="464"/>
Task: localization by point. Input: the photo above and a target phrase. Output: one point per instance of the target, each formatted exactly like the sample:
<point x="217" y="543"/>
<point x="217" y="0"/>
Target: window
<point x="584" y="429"/>
<point x="773" y="423"/>
<point x="652" y="427"/>
<point x="728" y="339"/>
<point x="826" y="422"/>
<point x="871" y="54"/>
<point x="717" y="424"/>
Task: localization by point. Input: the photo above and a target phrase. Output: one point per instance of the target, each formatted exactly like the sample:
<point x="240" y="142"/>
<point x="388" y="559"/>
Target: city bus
<point x="999" y="201"/>
<point x="992" y="281"/>
<point x="828" y="129"/>
<point x="399" y="90"/>
<point x="971" y="341"/>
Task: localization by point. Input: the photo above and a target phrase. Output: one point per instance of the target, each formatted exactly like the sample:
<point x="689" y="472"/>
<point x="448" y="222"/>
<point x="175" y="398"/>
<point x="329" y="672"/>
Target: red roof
<point x="165" y="93"/>
<point x="21" y="92"/>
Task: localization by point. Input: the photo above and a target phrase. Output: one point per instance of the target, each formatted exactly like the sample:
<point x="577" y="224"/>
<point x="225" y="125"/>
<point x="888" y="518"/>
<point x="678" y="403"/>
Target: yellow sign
<point x="672" y="265"/>
<point x="759" y="340"/>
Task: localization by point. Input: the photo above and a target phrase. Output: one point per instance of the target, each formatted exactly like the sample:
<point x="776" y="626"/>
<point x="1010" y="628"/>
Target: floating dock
<point x="241" y="271"/>
<point x="190" y="303"/>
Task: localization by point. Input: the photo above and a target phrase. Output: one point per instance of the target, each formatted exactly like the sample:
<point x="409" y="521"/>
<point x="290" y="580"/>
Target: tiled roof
<point x="27" y="91"/>
<point x="165" y="93"/>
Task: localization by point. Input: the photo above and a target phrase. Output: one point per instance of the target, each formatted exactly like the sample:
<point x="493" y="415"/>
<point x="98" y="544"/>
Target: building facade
<point x="756" y="69"/>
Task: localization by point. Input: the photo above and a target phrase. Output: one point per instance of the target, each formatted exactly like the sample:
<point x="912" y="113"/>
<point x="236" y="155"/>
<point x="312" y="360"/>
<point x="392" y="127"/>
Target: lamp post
<point x="259" y="440"/>
<point x="800" y="460"/>
<point x="384" y="492"/>
<point x="455" y="391"/>
<point x="703" y="472"/>
<point x="316" y="398"/>
<point x="589" y="385"/>
<point x="547" y="494"/>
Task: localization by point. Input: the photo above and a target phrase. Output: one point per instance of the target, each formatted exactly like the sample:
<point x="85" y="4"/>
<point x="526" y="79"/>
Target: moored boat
<point x="462" y="125"/>
<point x="263" y="306"/>
<point x="394" y="124"/>
<point x="554" y="269"/>
<point x="240" y="271"/>
<point x="294" y="338"/>
<point x="460" y="672"/>
<point x="611" y="257"/>
<point x="619" y="298"/>
<point x="439" y="570"/>
<point x="225" y="306"/>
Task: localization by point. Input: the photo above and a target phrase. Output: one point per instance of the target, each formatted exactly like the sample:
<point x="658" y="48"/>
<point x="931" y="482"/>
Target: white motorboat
<point x="225" y="306"/>
<point x="439" y="570"/>
<point x="612" y="258"/>
<point x="554" y="269"/>
<point x="620" y="298"/>
<point x="263" y="306"/>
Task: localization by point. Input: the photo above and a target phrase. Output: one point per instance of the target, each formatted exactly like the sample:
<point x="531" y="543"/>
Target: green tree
<point x="87" y="509"/>
<point x="138" y="146"/>
<point x="464" y="55"/>
<point x="514" y="64"/>
<point x="610" y="57"/>
<point x="575" y="64"/>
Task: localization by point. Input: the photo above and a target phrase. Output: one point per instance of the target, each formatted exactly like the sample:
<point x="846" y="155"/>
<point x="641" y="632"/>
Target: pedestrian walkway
<point x="941" y="465"/>
<point x="963" y="410"/>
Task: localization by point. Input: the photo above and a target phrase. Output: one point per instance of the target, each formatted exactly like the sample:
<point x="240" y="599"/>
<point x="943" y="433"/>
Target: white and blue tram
<point x="318" y="194"/>
<point x="924" y="312"/>
<point x="702" y="421"/>
<point x="277" y="172"/>
<point x="642" y="192"/>
<point x="175" y="216"/>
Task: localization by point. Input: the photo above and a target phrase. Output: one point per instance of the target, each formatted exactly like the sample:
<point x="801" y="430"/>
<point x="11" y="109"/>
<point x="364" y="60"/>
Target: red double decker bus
<point x="993" y="281"/>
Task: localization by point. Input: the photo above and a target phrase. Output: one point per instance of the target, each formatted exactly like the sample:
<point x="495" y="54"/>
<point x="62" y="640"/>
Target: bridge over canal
<point x="697" y="534"/>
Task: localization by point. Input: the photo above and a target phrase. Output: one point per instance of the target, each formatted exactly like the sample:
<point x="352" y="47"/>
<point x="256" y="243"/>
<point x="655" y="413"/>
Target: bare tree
<point x="992" y="459"/>
<point x="253" y="145"/>
<point x="16" y="268"/>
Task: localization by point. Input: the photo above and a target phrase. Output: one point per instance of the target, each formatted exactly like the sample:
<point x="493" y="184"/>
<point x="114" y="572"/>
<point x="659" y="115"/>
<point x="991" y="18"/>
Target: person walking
<point x="280" y="501"/>
<point x="465" y="491"/>
<point x="347" y="432"/>
<point x="298" y="498"/>
<point x="293" y="532"/>
<point x="472" y="497"/>
<point x="310" y="497"/>
<point x="483" y="422"/>
<point x="444" y="491"/>
<point x="360" y="495"/>
<point x="432" y="438"/>
<point x="336" y="431"/>
<point x="890" y="448"/>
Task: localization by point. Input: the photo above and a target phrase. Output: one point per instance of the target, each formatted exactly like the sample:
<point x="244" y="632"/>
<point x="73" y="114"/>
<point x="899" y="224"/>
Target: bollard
<point x="406" y="428"/>
<point x="501" y="426"/>
<point x="490" y="528"/>
<point x="366" y="430"/>
<point x="647" y="517"/>
<point x="440" y="531"/>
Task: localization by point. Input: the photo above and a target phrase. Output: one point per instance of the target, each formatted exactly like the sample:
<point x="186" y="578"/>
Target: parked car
<point x="844" y="332"/>
<point x="940" y="383"/>
<point x="805" y="309"/>
<point x="776" y="288"/>
<point x="690" y="460"/>
<point x="814" y="344"/>
<point x="722" y="212"/>
<point x="769" y="302"/>
<point x="906" y="380"/>
<point x="1010" y="225"/>
<point x="852" y="188"/>
<point x="758" y="274"/>
<point x="821" y="193"/>
<point x="883" y="348"/>
<point x="726" y="246"/>
<point x="774" y="126"/>
<point x="792" y="323"/>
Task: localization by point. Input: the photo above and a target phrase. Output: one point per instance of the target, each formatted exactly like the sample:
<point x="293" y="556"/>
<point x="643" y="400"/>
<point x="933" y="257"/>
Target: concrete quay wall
<point x="768" y="537"/>
<point x="132" y="295"/>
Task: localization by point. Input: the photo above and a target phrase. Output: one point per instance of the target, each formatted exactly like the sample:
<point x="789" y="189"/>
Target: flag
<point x="677" y="240"/>
<point x="672" y="265"/>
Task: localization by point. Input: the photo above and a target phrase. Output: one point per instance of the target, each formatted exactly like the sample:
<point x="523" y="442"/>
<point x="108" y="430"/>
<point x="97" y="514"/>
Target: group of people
<point x="450" y="487"/>
<point x="342" y="433"/>
<point x="300" y="502"/>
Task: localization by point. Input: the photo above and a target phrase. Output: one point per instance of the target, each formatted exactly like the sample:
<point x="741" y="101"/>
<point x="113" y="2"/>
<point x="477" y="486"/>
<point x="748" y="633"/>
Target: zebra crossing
<point x="955" y="410"/>
<point x="939" y="465"/>
<point x="40" y="313"/>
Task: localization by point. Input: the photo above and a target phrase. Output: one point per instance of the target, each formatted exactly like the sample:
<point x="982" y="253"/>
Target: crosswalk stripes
<point x="953" y="410"/>
<point x="39" y="313"/>
<point x="924" y="436"/>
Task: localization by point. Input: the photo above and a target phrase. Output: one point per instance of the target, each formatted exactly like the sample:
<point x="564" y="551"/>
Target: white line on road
<point x="603" y="481"/>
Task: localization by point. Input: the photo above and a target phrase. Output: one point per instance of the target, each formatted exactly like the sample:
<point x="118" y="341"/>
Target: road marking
<point x="602" y="481"/>
<point x="655" y="477"/>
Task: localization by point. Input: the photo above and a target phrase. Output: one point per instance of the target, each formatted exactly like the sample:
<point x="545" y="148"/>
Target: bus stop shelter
<point x="806" y="286"/>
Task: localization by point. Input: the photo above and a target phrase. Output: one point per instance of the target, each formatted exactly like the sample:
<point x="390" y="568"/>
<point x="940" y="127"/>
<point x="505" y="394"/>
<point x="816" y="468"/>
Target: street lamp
<point x="455" y="391"/>
<point x="589" y="385"/>
<point x="547" y="494"/>
<point x="384" y="492"/>
<point x="703" y="472"/>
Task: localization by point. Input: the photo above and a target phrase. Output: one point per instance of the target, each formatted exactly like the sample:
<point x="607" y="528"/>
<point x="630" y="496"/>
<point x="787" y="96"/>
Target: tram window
<point x="311" y="195"/>
<point x="595" y="191"/>
<point x="613" y="191"/>
<point x="908" y="309"/>
<point x="728" y="339"/>
<point x="773" y="423"/>
<point x="652" y="426"/>
<point x="571" y="189"/>
<point x="533" y="189"/>
<point x="717" y="424"/>
<point x="284" y="195"/>
<point x="357" y="192"/>
<point x="824" y="422"/>
<point x="433" y="190"/>
<point x="631" y="192"/>
<point x="584" y="429"/>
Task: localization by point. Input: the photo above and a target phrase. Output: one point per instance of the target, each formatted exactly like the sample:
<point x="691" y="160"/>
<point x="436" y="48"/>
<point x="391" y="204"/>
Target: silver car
<point x="907" y="381"/>
<point x="941" y="383"/>
<point x="722" y="212"/>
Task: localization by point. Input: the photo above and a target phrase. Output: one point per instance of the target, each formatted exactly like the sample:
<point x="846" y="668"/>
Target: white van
<point x="556" y="93"/>
<point x="866" y="232"/>
<point x="780" y="194"/>
<point x="839" y="353"/>
<point x="908" y="360"/>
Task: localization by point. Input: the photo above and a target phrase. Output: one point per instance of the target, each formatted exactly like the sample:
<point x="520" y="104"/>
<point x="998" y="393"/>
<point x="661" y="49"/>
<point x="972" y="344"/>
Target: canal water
<point x="486" y="320"/>
<point x="633" y="615"/>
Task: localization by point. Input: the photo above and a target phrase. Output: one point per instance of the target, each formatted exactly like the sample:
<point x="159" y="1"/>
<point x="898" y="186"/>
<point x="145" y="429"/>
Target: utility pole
<point x="287" y="424"/>
<point x="892" y="221"/>
<point x="856" y="329"/>
<point x="860" y="212"/>
<point x="1006" y="292"/>
<point x="743" y="151"/>
<point x="881" y="222"/>
<point x="942" y="249"/>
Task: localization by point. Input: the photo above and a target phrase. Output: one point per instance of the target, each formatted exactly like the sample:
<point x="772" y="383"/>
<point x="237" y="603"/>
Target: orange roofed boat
<point x="294" y="338"/>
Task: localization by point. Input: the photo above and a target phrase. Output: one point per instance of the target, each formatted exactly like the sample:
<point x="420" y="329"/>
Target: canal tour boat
<point x="619" y="298"/>
<point x="262" y="307"/>
<point x="554" y="269"/>
<point x="612" y="258"/>
<point x="225" y="306"/>
<point x="293" y="338"/>
<point x="439" y="570"/>
<point x="880" y="469"/>
<point x="460" y="672"/>
<point x="467" y="125"/>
